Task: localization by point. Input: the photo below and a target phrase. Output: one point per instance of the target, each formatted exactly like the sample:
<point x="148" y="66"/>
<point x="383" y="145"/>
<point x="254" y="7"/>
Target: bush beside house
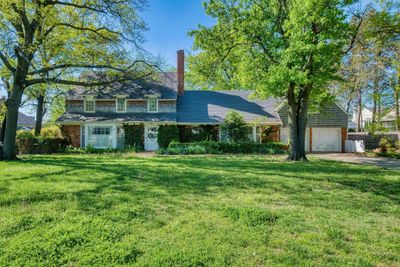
<point x="49" y="141"/>
<point x="210" y="147"/>
<point x="134" y="136"/>
<point x="235" y="127"/>
<point x="167" y="134"/>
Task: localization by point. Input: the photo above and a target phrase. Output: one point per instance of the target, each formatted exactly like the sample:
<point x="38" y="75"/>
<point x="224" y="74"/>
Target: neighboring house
<point x="366" y="118"/>
<point x="96" y="117"/>
<point x="25" y="122"/>
<point x="389" y="120"/>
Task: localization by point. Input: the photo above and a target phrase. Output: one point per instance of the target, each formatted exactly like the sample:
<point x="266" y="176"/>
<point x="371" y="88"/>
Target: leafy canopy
<point x="265" y="45"/>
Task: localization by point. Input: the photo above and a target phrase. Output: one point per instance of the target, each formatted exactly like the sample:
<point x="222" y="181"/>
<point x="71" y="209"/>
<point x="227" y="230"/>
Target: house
<point x="97" y="117"/>
<point x="24" y="122"/>
<point x="366" y="118"/>
<point x="389" y="120"/>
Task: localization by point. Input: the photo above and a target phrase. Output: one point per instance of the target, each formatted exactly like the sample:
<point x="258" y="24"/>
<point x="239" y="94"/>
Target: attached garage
<point x="323" y="139"/>
<point x="326" y="139"/>
<point x="326" y="129"/>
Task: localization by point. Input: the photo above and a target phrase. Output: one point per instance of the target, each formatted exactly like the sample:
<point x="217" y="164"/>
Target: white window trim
<point x="148" y="104"/>
<point x="116" y="104"/>
<point x="94" y="105"/>
<point x="114" y="133"/>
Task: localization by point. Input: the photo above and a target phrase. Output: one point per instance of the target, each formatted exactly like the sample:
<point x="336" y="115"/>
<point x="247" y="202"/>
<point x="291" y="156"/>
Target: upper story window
<point x="121" y="104"/>
<point x="152" y="104"/>
<point x="89" y="105"/>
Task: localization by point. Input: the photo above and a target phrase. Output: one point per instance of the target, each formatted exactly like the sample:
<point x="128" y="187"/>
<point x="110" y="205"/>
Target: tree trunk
<point x="297" y="120"/>
<point x="13" y="103"/>
<point x="39" y="114"/>
<point x="359" y="112"/>
<point x="2" y="131"/>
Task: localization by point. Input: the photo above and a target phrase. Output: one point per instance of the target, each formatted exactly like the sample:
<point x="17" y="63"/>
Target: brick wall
<point x="72" y="134"/>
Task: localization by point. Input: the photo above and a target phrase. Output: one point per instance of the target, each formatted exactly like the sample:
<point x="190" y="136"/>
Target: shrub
<point x="134" y="136"/>
<point x="203" y="133"/>
<point x="207" y="147"/>
<point x="167" y="134"/>
<point x="385" y="145"/>
<point x="51" y="132"/>
<point x="39" y="145"/>
<point x="235" y="127"/>
<point x="24" y="134"/>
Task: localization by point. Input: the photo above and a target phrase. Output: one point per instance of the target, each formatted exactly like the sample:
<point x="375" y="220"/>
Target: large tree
<point x="288" y="49"/>
<point x="79" y="34"/>
<point x="384" y="27"/>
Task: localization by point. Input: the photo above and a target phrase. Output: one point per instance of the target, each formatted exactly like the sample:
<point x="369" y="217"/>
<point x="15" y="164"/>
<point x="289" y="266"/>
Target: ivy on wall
<point x="134" y="136"/>
<point x="199" y="133"/>
<point x="167" y="134"/>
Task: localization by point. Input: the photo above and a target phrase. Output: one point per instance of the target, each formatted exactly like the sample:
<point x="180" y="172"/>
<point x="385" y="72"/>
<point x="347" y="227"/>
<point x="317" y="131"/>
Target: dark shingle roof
<point x="25" y="119"/>
<point x="118" y="117"/>
<point x="137" y="89"/>
<point x="212" y="107"/>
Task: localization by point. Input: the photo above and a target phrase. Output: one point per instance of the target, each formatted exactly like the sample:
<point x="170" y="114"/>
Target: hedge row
<point x="210" y="147"/>
<point x="41" y="145"/>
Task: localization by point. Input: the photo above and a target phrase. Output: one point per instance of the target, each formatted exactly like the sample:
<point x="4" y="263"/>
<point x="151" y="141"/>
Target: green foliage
<point x="50" y="140"/>
<point x="265" y="45"/>
<point x="198" y="133"/>
<point x="247" y="210"/>
<point x="210" y="147"/>
<point x="167" y="134"/>
<point x="236" y="128"/>
<point x="134" y="136"/>
<point x="23" y="134"/>
<point x="385" y="145"/>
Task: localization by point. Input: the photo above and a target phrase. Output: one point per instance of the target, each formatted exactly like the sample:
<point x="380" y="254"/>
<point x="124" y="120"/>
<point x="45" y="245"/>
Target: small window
<point x="121" y="104"/>
<point x="152" y="105"/>
<point x="89" y="105"/>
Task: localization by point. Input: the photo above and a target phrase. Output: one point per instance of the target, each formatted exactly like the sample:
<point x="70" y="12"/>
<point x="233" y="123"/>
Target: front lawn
<point x="196" y="211"/>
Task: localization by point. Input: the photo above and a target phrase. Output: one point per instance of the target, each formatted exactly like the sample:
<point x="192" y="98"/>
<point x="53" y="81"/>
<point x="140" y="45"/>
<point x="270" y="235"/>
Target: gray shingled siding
<point x="166" y="106"/>
<point x="329" y="116"/>
<point x="105" y="106"/>
<point x="135" y="106"/>
<point x="74" y="106"/>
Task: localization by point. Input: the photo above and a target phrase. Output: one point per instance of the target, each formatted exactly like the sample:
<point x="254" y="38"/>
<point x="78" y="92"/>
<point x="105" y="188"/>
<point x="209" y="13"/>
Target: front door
<point x="150" y="138"/>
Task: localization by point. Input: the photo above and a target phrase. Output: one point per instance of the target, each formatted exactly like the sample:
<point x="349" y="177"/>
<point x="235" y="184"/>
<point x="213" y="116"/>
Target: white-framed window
<point x="121" y="104"/>
<point x="90" y="105"/>
<point x="152" y="104"/>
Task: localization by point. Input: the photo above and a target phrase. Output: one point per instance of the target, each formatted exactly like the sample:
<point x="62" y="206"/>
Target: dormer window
<point x="121" y="104"/>
<point x="152" y="104"/>
<point x="89" y="105"/>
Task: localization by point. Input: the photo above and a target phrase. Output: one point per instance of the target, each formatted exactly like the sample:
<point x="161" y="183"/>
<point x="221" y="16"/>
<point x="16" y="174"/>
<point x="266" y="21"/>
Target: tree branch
<point x="6" y="62"/>
<point x="88" y="66"/>
<point x="80" y="83"/>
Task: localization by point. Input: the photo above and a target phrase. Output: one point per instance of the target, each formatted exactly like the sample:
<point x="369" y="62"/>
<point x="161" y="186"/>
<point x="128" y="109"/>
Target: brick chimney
<point x="180" y="69"/>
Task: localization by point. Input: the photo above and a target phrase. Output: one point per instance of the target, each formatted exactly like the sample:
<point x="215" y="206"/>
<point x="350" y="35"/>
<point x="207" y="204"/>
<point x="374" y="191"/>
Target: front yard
<point x="196" y="211"/>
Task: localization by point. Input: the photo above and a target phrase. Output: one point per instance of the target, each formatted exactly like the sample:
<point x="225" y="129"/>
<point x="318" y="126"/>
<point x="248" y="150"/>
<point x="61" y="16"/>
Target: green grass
<point x="105" y="210"/>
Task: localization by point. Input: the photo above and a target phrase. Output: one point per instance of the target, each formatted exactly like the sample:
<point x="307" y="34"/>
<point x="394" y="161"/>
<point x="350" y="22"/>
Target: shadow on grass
<point x="169" y="178"/>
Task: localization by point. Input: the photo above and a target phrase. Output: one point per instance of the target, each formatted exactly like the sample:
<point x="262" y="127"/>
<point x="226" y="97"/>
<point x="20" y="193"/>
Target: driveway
<point x="387" y="163"/>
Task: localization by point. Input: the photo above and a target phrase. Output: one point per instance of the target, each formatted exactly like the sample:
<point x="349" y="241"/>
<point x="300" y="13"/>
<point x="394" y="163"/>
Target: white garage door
<point x="284" y="135"/>
<point x="326" y="139"/>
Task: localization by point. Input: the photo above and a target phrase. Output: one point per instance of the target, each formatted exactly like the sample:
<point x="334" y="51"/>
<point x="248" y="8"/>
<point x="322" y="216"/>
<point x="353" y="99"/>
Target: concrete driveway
<point x="387" y="163"/>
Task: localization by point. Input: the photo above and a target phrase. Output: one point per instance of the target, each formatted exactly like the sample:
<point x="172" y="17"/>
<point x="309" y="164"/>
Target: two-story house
<point x="96" y="116"/>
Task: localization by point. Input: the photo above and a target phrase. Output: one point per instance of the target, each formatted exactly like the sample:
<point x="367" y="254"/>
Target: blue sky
<point x="169" y="22"/>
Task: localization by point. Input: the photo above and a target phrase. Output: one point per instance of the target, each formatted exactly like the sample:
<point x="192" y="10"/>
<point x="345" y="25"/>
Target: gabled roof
<point x="25" y="119"/>
<point x="165" y="88"/>
<point x="213" y="106"/>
